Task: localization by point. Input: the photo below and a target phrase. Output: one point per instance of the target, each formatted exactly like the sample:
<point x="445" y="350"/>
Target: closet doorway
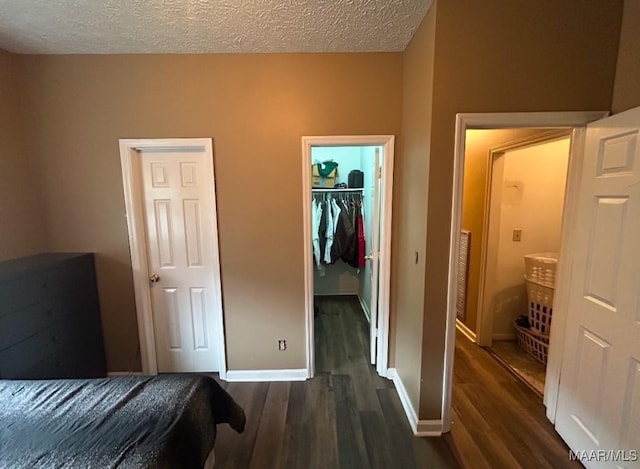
<point x="349" y="179"/>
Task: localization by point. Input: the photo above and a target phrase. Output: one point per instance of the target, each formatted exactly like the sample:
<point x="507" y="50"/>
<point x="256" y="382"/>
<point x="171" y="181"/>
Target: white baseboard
<point x="419" y="427"/>
<point x="468" y="333"/>
<point x="429" y="428"/>
<point x="365" y="308"/>
<point x="113" y="374"/>
<point x="257" y="376"/>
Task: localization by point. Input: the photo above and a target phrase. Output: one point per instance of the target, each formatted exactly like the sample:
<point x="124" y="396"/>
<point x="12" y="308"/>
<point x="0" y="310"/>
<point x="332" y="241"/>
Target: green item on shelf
<point x="326" y="168"/>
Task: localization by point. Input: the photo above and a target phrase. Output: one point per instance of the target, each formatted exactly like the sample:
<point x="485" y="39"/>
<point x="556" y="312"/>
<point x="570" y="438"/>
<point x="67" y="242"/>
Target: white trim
<point x="429" y="428"/>
<point x="133" y="206"/>
<point x="488" y="121"/>
<point x="418" y="427"/>
<point x="129" y="148"/>
<point x="260" y="376"/>
<point x="516" y="120"/>
<point x="115" y="374"/>
<point x="308" y="259"/>
<point x="365" y="308"/>
<point x="465" y="331"/>
<point x="387" y="142"/>
<point x="384" y="274"/>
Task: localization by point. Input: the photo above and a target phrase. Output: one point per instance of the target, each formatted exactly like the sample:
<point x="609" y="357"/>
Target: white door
<point x="374" y="257"/>
<point x="178" y="199"/>
<point x="599" y="396"/>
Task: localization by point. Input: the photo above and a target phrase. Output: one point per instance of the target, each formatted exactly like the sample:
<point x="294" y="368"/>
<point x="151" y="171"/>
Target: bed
<point x="164" y="421"/>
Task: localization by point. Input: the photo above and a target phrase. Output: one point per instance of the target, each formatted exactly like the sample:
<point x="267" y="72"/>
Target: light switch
<point x="517" y="235"/>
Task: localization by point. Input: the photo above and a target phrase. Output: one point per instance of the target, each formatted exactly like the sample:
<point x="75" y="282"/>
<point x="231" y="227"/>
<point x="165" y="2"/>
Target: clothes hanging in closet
<point x="322" y="231"/>
<point x="316" y="215"/>
<point x="361" y="241"/>
<point x="333" y="214"/>
<point x="345" y="237"/>
<point x="338" y="232"/>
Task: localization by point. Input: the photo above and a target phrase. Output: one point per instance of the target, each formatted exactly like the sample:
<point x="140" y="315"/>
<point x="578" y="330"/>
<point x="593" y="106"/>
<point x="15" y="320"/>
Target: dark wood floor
<point x="498" y="421"/>
<point x="345" y="417"/>
<point x="518" y="361"/>
<point x="349" y="417"/>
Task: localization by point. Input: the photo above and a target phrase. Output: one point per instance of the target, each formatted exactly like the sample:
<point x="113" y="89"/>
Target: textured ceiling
<point x="207" y="26"/>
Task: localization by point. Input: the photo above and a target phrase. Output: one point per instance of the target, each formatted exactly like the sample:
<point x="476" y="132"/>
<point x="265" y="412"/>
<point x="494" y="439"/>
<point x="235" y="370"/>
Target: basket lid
<point x="543" y="256"/>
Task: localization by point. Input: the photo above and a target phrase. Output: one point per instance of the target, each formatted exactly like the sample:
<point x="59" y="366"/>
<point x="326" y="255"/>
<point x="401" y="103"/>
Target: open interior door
<point x="374" y="257"/>
<point x="598" y="409"/>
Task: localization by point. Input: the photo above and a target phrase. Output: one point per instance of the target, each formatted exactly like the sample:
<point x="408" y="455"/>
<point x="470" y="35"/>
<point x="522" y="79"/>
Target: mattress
<point x="166" y="421"/>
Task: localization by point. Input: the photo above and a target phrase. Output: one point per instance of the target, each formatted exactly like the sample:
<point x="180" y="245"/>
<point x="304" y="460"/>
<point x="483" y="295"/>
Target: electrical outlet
<point x="517" y="235"/>
<point x="282" y="345"/>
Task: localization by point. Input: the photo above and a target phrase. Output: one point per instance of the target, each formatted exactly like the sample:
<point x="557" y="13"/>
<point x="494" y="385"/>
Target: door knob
<point x="154" y="278"/>
<point x="368" y="258"/>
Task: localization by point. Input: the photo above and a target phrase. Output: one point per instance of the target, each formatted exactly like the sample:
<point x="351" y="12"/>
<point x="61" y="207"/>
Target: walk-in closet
<point x="344" y="227"/>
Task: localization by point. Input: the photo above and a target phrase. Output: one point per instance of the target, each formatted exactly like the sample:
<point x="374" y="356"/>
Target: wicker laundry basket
<point x="540" y="278"/>
<point x="541" y="268"/>
<point x="534" y="344"/>
<point x="540" y="306"/>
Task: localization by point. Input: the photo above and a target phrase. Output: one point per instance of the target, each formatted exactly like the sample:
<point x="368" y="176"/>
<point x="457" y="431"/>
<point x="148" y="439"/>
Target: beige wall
<point x="558" y="56"/>
<point x="533" y="182"/>
<point x="410" y="205"/>
<point x="21" y="222"/>
<point x="626" y="92"/>
<point x="256" y="108"/>
<point x="478" y="144"/>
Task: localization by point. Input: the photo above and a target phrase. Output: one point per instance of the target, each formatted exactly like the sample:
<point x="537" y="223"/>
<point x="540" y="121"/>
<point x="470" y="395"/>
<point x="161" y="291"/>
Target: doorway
<point x="347" y="187"/>
<point x="513" y="199"/>
<point x="593" y="406"/>
<point x="576" y="123"/>
<point x="169" y="191"/>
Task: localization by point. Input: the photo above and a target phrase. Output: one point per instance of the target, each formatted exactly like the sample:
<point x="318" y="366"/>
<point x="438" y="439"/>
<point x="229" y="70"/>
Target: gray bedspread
<point x="166" y="421"/>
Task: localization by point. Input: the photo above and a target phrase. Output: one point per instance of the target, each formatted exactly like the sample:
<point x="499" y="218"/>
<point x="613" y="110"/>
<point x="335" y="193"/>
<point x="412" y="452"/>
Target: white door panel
<point x="599" y="397"/>
<point x="375" y="257"/>
<point x="178" y="198"/>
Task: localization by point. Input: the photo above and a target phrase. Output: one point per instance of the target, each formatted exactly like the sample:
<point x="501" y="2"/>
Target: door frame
<point x="550" y="120"/>
<point x="387" y="142"/>
<point x="132" y="184"/>
<point x="489" y="248"/>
